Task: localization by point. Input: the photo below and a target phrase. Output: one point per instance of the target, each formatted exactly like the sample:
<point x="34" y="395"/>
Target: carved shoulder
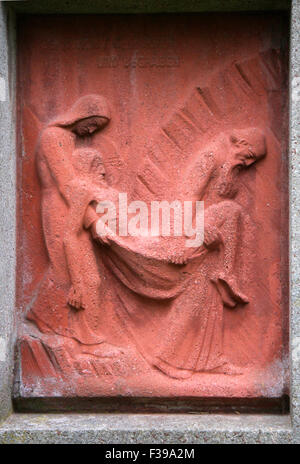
<point x="206" y="162"/>
<point x="55" y="140"/>
<point x="200" y="173"/>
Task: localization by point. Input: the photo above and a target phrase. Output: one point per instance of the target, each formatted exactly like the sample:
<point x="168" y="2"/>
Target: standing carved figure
<point x="66" y="195"/>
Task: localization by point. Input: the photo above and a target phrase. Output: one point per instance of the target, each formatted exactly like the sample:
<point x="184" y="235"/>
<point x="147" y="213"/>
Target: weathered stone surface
<point x="153" y="112"/>
<point x="160" y="429"/>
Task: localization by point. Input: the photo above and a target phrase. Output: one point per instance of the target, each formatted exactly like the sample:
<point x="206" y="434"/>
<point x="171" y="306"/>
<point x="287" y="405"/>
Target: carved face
<point x="88" y="126"/>
<point x="242" y="153"/>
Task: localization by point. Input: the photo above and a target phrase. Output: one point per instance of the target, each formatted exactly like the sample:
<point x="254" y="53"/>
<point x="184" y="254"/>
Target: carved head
<point x="247" y="146"/>
<point x="88" y="115"/>
<point x="88" y="126"/>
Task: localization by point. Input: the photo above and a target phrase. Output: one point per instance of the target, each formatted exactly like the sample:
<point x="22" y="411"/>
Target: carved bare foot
<point x="103" y="239"/>
<point x="75" y="298"/>
<point x="226" y="298"/>
<point x="229" y="291"/>
<point x="233" y="289"/>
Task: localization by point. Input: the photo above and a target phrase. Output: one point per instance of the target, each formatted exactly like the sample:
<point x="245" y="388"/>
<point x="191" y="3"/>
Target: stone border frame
<point x="136" y="428"/>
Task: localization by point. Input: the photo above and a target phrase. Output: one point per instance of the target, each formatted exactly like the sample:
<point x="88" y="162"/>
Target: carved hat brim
<point x="85" y="107"/>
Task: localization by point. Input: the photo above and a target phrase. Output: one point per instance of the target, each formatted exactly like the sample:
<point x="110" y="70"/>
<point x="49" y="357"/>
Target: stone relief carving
<point x="167" y="300"/>
<point x="72" y="177"/>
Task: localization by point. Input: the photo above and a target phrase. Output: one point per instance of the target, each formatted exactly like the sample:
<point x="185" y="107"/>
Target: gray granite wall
<point x="7" y="209"/>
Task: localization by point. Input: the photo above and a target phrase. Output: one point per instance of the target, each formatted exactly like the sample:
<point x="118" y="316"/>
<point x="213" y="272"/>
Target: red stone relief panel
<point x="118" y="114"/>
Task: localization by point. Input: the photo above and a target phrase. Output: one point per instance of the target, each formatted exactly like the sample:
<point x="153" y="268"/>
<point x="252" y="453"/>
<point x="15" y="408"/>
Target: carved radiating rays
<point x="230" y="92"/>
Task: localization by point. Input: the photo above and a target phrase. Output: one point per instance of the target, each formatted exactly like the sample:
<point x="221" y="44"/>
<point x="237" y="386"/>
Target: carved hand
<point x="100" y="238"/>
<point x="179" y="260"/>
<point x="75" y="298"/>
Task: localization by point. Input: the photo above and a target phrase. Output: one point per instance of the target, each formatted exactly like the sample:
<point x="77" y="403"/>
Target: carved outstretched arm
<point x="74" y="250"/>
<point x="90" y="222"/>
